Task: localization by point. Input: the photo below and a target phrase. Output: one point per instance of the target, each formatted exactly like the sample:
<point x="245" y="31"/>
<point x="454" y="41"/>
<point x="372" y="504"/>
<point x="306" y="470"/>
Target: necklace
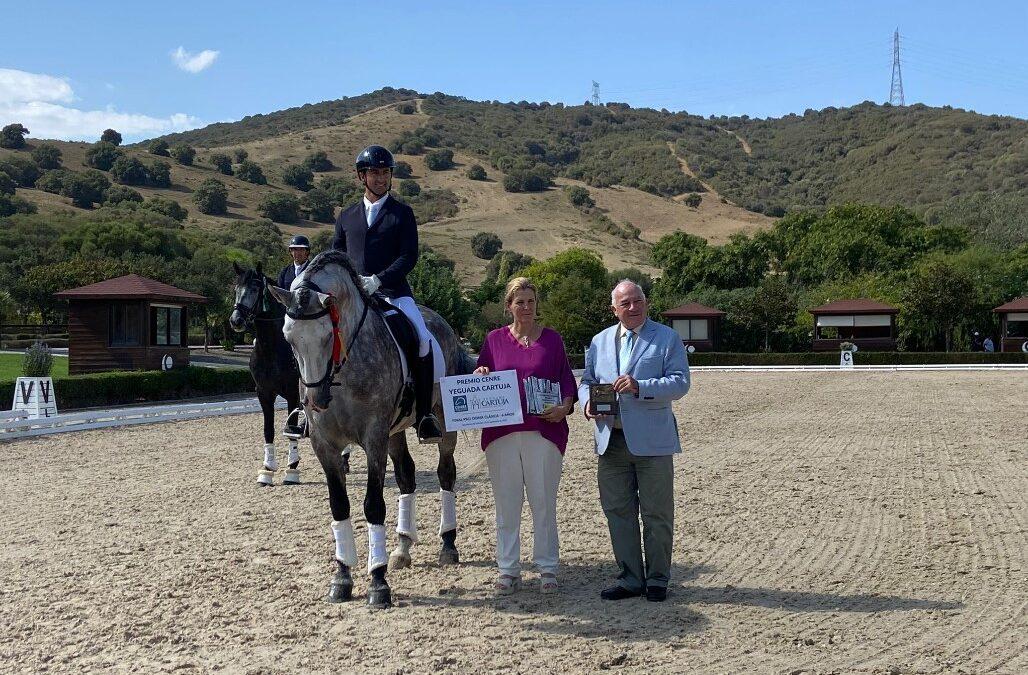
<point x="523" y="339"/>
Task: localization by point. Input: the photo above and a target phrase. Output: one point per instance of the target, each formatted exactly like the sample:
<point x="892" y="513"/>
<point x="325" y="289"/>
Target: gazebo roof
<point x="691" y="309"/>
<point x="129" y="287"/>
<point x="855" y="306"/>
<point x="1017" y="305"/>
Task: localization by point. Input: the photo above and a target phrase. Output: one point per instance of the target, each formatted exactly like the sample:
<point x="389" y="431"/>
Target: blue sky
<point x="79" y="66"/>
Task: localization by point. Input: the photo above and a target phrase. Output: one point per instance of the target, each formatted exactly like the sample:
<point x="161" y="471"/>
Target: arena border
<point x="890" y="368"/>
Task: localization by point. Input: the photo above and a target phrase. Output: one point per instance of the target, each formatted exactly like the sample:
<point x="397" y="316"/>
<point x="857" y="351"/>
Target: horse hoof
<point x="380" y="598"/>
<point x="340" y="591"/>
<point x="449" y="557"/>
<point x="398" y="561"/>
<point x="266" y="478"/>
<point x="291" y="477"/>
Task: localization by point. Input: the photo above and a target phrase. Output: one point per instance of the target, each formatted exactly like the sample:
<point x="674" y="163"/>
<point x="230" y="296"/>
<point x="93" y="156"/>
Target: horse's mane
<point x="323" y="260"/>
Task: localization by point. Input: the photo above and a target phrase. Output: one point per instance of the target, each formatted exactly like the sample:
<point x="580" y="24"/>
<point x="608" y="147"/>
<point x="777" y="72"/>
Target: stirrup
<point x="296" y="425"/>
<point x="431" y="434"/>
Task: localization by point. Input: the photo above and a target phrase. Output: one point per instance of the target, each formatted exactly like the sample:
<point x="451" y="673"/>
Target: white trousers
<point x="407" y="305"/>
<point x="518" y="463"/>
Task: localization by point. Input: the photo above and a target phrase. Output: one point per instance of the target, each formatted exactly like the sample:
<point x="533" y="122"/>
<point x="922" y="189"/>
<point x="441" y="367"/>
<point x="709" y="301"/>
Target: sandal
<point x="506" y="584"/>
<point x="547" y="583"/>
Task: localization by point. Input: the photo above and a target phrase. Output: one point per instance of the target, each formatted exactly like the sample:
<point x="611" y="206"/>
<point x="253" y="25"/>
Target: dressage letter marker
<point x="35" y="395"/>
<point x="480" y="401"/>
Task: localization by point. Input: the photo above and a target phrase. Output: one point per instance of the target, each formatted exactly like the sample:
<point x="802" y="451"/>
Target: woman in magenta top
<point x="527" y="457"/>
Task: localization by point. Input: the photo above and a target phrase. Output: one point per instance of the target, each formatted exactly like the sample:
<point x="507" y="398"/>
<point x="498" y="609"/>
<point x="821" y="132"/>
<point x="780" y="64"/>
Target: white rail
<point x="814" y="369"/>
<point x="15" y="425"/>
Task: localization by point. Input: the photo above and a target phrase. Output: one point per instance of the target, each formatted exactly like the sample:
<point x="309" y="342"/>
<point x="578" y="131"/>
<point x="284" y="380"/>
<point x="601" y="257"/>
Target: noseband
<point x="250" y="314"/>
<point x="340" y="350"/>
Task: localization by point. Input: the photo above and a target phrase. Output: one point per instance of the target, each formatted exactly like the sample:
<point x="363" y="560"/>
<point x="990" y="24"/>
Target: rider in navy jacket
<point x="300" y="250"/>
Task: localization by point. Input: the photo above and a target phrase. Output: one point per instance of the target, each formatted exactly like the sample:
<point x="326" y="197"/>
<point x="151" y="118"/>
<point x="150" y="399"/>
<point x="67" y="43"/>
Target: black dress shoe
<point x="618" y="593"/>
<point x="656" y="593"/>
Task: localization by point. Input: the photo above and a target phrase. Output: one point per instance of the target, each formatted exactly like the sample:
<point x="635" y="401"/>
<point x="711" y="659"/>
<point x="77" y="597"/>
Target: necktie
<point x="627" y="342"/>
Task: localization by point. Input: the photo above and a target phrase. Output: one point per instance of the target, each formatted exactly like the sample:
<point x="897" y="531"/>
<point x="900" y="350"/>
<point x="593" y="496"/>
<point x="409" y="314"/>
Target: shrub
<point x="160" y="174"/>
<point x="439" y="160"/>
<point x="298" y="176"/>
<point x="693" y="200"/>
<point x="402" y="170"/>
<point x="158" y="147"/>
<point x="111" y="136"/>
<point x="22" y="169"/>
<point x="240" y="155"/>
<point x="222" y="163"/>
<point x="39" y="360"/>
<point x="432" y="205"/>
<point x="280" y="207"/>
<point x="251" y="173"/>
<point x="129" y="171"/>
<point x="476" y="172"/>
<point x="405" y="108"/>
<point x="409" y="188"/>
<point x="102" y="155"/>
<point x="168" y="207"/>
<point x="117" y="194"/>
<point x="579" y="196"/>
<point x="11" y="204"/>
<point x="85" y="188"/>
<point x="211" y="197"/>
<point x="486" y="245"/>
<point x="12" y="136"/>
<point x="47" y="156"/>
<point x="318" y="161"/>
<point x="318" y="206"/>
<point x="52" y="181"/>
<point x="7" y="184"/>
<point x="183" y="154"/>
<point x="341" y="191"/>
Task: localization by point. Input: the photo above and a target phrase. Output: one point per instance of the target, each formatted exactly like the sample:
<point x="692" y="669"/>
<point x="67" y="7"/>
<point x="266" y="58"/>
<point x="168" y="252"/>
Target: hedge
<point x="122" y="387"/>
<point x="832" y="358"/>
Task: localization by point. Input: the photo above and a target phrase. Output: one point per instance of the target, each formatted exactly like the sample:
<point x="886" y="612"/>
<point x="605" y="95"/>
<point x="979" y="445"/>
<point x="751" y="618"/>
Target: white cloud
<point x="194" y="63"/>
<point x="35" y="100"/>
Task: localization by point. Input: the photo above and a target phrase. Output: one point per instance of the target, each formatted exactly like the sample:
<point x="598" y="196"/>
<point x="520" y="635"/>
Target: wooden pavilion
<point x="127" y="323"/>
<point x="868" y="324"/>
<point x="699" y="326"/>
<point x="1013" y="325"/>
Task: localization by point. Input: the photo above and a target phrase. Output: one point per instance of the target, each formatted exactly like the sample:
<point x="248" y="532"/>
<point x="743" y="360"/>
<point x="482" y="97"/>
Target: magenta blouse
<point x="545" y="358"/>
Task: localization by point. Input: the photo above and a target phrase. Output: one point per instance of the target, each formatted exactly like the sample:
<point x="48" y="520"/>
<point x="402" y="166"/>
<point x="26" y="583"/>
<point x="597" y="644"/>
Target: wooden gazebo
<point x="1013" y="325"/>
<point x="868" y="324"/>
<point x="699" y="326"/>
<point x="127" y="323"/>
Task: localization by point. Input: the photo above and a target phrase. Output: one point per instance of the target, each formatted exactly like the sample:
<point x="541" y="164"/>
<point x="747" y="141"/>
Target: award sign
<point x="480" y="401"/>
<point x="603" y="400"/>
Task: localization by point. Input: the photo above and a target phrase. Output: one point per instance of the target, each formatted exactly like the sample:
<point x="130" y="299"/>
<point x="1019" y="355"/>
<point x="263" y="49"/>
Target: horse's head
<point x="249" y="289"/>
<point x="319" y="317"/>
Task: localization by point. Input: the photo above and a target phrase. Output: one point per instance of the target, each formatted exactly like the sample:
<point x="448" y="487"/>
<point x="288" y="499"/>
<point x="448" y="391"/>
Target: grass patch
<point x="11" y="366"/>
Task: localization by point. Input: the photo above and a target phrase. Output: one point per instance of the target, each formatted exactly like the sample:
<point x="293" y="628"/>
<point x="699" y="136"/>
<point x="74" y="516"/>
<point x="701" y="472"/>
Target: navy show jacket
<point x="387" y="249"/>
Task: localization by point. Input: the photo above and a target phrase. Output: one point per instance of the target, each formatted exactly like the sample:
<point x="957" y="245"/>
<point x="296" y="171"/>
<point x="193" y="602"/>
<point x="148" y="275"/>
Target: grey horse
<point x="353" y="378"/>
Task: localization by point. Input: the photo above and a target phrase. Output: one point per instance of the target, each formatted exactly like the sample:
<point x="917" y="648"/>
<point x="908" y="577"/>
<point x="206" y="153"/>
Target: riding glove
<point x="371" y="284"/>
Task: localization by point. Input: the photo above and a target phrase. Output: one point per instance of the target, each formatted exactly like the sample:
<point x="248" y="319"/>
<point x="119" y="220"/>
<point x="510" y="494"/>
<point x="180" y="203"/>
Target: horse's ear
<point x="324" y="299"/>
<point x="280" y="294"/>
<point x="237" y="268"/>
<point x="259" y="270"/>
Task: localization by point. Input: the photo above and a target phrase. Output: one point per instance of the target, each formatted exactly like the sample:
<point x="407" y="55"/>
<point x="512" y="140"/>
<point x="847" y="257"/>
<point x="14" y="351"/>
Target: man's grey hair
<point x="626" y="281"/>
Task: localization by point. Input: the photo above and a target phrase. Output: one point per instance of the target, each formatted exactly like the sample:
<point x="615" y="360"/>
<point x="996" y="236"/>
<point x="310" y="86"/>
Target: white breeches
<point x="407" y="305"/>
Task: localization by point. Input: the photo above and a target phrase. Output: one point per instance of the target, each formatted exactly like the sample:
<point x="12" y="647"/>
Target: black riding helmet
<point x="374" y="157"/>
<point x="299" y="241"/>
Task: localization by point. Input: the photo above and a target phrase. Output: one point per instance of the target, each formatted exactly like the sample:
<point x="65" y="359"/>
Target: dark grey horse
<point x="272" y="365"/>
<point x="351" y="368"/>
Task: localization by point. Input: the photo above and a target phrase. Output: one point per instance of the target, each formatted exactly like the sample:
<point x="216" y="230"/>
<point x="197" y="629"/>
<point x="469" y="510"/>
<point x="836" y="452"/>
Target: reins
<point x="251" y="313"/>
<point x="340" y="350"/>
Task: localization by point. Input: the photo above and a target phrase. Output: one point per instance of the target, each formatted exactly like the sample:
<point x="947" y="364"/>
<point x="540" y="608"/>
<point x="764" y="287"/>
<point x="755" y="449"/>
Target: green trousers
<point x="630" y="486"/>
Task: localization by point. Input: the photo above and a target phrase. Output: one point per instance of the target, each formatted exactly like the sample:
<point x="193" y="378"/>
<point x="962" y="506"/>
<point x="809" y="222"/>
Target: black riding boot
<point x="427" y="426"/>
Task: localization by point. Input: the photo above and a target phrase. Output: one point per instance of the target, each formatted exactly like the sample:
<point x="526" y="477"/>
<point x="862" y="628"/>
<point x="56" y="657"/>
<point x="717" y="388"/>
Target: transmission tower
<point x="896" y="93"/>
<point x="596" y="93"/>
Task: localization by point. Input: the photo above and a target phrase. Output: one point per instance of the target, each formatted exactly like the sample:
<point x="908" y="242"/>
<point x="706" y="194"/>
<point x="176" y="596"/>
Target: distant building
<point x="868" y="324"/>
<point x="699" y="326"/>
<point x="127" y="323"/>
<point x="1013" y="325"/>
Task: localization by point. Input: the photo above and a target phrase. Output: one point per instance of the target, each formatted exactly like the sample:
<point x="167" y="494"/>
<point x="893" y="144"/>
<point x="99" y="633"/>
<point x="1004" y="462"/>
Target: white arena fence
<point x="15" y="424"/>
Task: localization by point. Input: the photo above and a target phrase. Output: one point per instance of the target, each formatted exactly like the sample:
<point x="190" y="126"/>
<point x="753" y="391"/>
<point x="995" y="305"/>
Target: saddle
<point x="405" y="335"/>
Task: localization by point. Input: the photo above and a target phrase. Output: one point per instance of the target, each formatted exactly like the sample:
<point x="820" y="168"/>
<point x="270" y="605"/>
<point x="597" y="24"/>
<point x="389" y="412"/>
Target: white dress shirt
<point x="371" y="209"/>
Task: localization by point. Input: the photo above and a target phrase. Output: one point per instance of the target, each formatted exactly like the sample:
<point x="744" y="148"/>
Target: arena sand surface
<point x="826" y="522"/>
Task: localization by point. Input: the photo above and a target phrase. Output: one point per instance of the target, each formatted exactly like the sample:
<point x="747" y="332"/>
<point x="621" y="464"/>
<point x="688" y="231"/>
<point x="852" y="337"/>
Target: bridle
<point x="251" y="314"/>
<point x="340" y="349"/>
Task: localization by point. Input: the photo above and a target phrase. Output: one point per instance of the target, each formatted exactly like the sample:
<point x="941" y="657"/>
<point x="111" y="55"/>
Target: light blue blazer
<point x="660" y="364"/>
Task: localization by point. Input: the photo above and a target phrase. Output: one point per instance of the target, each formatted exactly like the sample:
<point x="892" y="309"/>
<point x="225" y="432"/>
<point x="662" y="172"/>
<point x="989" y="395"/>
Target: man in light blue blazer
<point x="647" y="364"/>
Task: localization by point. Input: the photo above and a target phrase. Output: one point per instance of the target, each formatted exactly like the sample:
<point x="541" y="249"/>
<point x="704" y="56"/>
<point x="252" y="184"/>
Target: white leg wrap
<point x="269" y="457"/>
<point x="377" y="547"/>
<point x="447" y="511"/>
<point x="406" y="521"/>
<point x="346" y="547"/>
<point x="294" y="451"/>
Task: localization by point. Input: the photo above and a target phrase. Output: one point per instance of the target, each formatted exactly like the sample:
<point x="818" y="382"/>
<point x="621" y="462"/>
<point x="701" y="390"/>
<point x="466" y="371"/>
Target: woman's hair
<point x="518" y="284"/>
